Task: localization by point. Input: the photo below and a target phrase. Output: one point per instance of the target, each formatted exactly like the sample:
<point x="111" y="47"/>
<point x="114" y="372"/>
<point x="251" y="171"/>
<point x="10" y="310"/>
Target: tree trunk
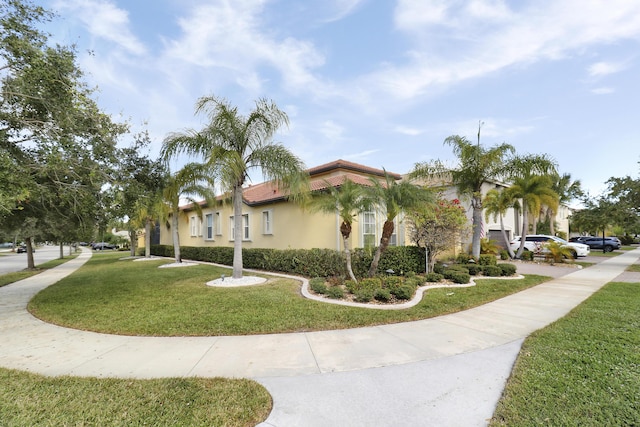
<point x="237" y="232"/>
<point x="134" y="242"/>
<point x="61" y="250"/>
<point x="476" y="204"/>
<point x="552" y="220"/>
<point x="345" y="230"/>
<point x="30" y="264"/>
<point x="387" y="232"/>
<point x="506" y="241"/>
<point x="176" y="236"/>
<point x="523" y="235"/>
<point x="147" y="238"/>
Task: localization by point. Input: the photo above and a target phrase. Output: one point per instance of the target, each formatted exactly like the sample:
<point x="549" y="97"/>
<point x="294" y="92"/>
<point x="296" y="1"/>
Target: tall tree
<point x="476" y="165"/>
<point x="233" y="145"/>
<point x="349" y="200"/>
<point x="567" y="190"/>
<point x="392" y="198"/>
<point x="496" y="203"/>
<point x="192" y="183"/>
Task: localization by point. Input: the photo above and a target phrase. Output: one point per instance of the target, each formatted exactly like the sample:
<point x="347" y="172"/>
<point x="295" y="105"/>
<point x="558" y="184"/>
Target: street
<point x="11" y="261"/>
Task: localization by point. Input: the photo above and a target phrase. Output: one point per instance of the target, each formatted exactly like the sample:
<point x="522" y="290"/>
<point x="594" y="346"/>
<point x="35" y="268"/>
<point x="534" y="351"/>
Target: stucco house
<point x="271" y="221"/>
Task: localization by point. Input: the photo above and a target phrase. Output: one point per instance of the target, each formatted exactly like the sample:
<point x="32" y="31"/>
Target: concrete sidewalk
<point x="449" y="370"/>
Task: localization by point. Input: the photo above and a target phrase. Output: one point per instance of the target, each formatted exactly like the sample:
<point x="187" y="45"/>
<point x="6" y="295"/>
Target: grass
<point x="176" y="302"/>
<point x="583" y="370"/>
<point x="8" y="278"/>
<point x="27" y="400"/>
<point x="634" y="268"/>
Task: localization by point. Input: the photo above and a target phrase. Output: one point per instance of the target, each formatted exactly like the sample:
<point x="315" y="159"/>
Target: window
<point x="368" y="229"/>
<point x="267" y="222"/>
<point x="245" y="227"/>
<point x="199" y="226"/>
<point x="192" y="226"/>
<point x="217" y="224"/>
<point x="209" y="227"/>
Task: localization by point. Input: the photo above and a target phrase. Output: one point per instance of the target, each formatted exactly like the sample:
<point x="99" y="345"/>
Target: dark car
<point x="607" y="244"/>
<point x="100" y="246"/>
<point x="22" y="249"/>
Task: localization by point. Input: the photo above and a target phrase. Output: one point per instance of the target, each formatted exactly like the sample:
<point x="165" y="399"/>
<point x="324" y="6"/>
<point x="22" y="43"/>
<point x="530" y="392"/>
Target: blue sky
<point x="378" y="82"/>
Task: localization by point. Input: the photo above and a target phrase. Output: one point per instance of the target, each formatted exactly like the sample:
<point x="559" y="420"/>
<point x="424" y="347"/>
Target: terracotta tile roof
<point x="343" y="164"/>
<point x="268" y="192"/>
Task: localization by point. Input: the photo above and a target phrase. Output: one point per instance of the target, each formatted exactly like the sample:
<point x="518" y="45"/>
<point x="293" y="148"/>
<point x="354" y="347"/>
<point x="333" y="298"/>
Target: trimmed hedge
<point x="305" y="262"/>
<point x="508" y="269"/>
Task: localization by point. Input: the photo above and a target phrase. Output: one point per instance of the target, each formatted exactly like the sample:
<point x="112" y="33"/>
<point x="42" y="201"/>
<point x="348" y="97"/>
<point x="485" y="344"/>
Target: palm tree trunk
<point x="523" y="235"/>
<point x="147" y="238"/>
<point x="30" y="264"/>
<point x="552" y="220"/>
<point x="237" y="231"/>
<point x="504" y="236"/>
<point x="477" y="227"/>
<point x="132" y="238"/>
<point x="176" y="236"/>
<point x="347" y="255"/>
<point x="387" y="232"/>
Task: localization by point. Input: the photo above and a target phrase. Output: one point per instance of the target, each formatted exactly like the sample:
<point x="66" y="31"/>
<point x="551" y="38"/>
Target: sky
<point x="377" y="82"/>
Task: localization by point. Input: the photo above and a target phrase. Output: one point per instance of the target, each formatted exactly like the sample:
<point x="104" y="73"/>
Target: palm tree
<point x="349" y="199"/>
<point x="496" y="203"/>
<point x="477" y="165"/>
<point x="392" y="197"/>
<point x="232" y="145"/>
<point x="192" y="183"/>
<point x="566" y="190"/>
<point x="533" y="191"/>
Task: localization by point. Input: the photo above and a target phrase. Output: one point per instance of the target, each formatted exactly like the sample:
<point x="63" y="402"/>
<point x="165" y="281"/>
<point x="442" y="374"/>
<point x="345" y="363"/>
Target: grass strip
<point x="8" y="278"/>
<point x="28" y="400"/>
<point x="583" y="370"/>
<point x="138" y="298"/>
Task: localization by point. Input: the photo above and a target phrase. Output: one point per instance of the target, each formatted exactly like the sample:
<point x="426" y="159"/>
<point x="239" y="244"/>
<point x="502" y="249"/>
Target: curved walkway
<point x="466" y="355"/>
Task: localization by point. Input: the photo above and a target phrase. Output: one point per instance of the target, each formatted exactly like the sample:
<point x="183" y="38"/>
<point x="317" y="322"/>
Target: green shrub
<point x="507" y="269"/>
<point x="504" y="254"/>
<point x="453" y="269"/>
<point x="434" y="277"/>
<point x="335" y="292"/>
<point x="459" y="277"/>
<point x="487" y="259"/>
<point x="492" y="270"/>
<point x="369" y="283"/>
<point x="415" y="281"/>
<point x="317" y="285"/>
<point x="391" y="281"/>
<point x="439" y="268"/>
<point x="383" y="295"/>
<point x="404" y="292"/>
<point x="474" y="269"/>
<point x="351" y="286"/>
<point x="364" y="295"/>
<point x="527" y="256"/>
<point x="463" y="258"/>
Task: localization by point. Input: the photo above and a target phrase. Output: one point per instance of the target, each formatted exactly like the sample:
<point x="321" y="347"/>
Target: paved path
<point x="449" y="370"/>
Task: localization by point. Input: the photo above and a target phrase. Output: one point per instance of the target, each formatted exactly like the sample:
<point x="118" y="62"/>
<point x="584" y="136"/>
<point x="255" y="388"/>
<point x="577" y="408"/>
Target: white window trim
<point x="217" y="224"/>
<point x="207" y="228"/>
<point x="192" y="226"/>
<point x="267" y="221"/>
<point x="246" y="222"/>
<point x="362" y="228"/>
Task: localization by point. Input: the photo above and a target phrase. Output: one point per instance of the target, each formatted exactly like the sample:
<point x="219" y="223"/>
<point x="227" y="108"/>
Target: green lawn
<point x="34" y="400"/>
<point x="176" y="302"/>
<point x="583" y="370"/>
<point x="7" y="278"/>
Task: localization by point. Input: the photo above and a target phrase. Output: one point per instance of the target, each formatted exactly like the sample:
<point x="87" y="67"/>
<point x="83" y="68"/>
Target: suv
<point x="607" y="244"/>
<point x="536" y="242"/>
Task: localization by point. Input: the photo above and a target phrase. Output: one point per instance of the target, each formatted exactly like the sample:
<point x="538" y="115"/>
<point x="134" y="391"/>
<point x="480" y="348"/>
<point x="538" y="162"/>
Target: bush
<point x="415" y="281"/>
<point x="383" y="295"/>
<point x="364" y="295"/>
<point x="491" y="270"/>
<point x="459" y="277"/>
<point x="527" y="256"/>
<point x="508" y="269"/>
<point x="504" y="254"/>
<point x="453" y="269"/>
<point x="439" y="268"/>
<point x="487" y="259"/>
<point x="463" y="258"/>
<point x="434" y="277"/>
<point x="391" y="281"/>
<point x="335" y="292"/>
<point x="474" y="269"/>
<point x="317" y="285"/>
<point x="404" y="292"/>
<point x="370" y="283"/>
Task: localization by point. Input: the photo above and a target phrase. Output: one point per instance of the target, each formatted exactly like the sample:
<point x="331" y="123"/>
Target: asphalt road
<point x="11" y="261"/>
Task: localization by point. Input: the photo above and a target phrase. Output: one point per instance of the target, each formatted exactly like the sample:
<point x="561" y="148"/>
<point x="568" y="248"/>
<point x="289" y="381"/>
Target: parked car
<point x="100" y="246"/>
<point x="22" y="249"/>
<point x="607" y="244"/>
<point x="536" y="243"/>
<point x="579" y="239"/>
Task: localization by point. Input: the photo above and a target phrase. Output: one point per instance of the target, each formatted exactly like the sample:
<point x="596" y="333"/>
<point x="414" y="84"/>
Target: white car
<point x="536" y="243"/>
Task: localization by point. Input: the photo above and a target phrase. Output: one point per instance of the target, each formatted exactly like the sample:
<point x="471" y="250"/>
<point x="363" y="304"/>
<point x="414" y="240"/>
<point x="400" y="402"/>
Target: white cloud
<point x="341" y="8"/>
<point x="605" y="68"/>
<point x="603" y="90"/>
<point x="332" y="131"/>
<point x="104" y="20"/>
<point x="405" y="130"/>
